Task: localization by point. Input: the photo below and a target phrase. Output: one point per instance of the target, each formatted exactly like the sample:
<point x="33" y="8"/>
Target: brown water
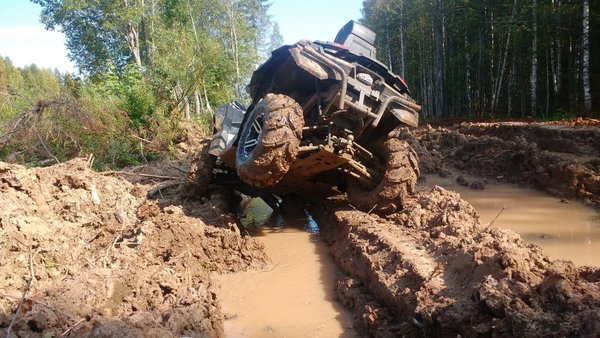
<point x="295" y="296"/>
<point x="564" y="231"/>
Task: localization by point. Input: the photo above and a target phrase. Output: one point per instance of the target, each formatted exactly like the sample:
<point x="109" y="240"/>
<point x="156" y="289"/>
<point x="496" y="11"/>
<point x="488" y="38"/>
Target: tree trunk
<point x="511" y="82"/>
<point x="402" y="65"/>
<point x="480" y="96"/>
<point x="234" y="47"/>
<point x="501" y="68"/>
<point x="534" y="59"/>
<point x="467" y="77"/>
<point x="182" y="100"/>
<point x="440" y="109"/>
<point x="557" y="71"/>
<point x="587" y="92"/>
<point x="208" y="107"/>
<point x="197" y="103"/>
<point x="133" y="41"/>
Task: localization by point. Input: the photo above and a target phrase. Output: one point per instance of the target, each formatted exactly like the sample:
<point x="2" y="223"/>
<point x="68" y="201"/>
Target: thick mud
<point x="563" y="229"/>
<point x="435" y="270"/>
<point x="85" y="254"/>
<point x="89" y="254"/>
<point x="563" y="160"/>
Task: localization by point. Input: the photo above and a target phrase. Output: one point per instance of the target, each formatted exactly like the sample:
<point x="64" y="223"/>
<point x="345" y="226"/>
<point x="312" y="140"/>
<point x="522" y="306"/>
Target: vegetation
<point x="146" y="65"/>
<point x="492" y="58"/>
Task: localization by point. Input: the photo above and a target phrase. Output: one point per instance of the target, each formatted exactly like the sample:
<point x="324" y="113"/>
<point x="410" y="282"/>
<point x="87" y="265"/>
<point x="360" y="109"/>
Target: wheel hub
<point x="254" y="134"/>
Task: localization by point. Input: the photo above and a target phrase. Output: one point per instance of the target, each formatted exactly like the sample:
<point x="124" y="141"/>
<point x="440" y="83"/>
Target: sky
<point x="25" y="41"/>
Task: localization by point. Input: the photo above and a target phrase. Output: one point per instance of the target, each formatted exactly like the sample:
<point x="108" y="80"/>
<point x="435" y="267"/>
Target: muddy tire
<point x="395" y="185"/>
<point x="269" y="141"/>
<point x="200" y="173"/>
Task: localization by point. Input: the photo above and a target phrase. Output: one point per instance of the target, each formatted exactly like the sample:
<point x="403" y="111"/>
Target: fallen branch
<point x="24" y="296"/>
<point x="113" y="172"/>
<point x="72" y="327"/>
<point x="157" y="189"/>
<point x="45" y="147"/>
<point x="495" y="218"/>
<point x="177" y="168"/>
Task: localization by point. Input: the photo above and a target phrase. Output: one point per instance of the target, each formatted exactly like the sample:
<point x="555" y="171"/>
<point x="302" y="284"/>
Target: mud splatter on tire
<point x="277" y="144"/>
<point x="396" y="185"/>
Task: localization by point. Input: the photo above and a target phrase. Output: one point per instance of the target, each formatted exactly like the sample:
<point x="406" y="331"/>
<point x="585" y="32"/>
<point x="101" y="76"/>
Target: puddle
<point x="564" y="231"/>
<point x="295" y="296"/>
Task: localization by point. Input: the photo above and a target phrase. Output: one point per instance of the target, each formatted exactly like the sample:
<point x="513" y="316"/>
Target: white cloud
<point x="25" y="45"/>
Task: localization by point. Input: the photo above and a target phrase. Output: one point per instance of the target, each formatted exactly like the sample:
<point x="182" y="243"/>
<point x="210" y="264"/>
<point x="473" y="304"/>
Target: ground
<point x="101" y="254"/>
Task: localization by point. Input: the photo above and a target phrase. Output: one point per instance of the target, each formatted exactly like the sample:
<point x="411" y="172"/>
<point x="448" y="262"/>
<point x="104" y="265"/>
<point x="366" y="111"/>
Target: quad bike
<point x="324" y="119"/>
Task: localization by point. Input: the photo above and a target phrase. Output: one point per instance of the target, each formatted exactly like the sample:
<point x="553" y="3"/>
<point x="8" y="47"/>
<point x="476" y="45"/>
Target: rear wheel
<point x="393" y="185"/>
<point x="269" y="141"/>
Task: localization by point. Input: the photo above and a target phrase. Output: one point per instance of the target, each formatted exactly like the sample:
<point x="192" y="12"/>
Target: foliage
<point x="144" y="66"/>
<point x="474" y="57"/>
<point x="276" y="39"/>
<point x="22" y="88"/>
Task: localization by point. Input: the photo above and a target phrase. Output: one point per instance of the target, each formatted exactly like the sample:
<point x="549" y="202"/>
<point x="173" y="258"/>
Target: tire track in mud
<point x="435" y="270"/>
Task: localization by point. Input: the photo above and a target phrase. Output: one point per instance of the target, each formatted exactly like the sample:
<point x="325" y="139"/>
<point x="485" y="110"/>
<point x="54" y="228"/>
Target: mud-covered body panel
<point x="348" y="102"/>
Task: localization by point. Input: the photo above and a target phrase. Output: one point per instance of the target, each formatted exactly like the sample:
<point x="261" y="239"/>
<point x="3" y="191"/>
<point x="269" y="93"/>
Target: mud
<point x="435" y="270"/>
<point x="89" y="254"/>
<point x="86" y="254"/>
<point x="563" y="229"/>
<point x="563" y="160"/>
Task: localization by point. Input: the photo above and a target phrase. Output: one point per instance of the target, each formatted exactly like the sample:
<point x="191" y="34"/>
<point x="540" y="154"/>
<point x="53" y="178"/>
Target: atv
<point x="324" y="119"/>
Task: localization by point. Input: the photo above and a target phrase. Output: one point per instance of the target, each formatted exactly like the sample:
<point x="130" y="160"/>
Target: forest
<point x="144" y="66"/>
<point x="478" y="58"/>
<point x="147" y="67"/>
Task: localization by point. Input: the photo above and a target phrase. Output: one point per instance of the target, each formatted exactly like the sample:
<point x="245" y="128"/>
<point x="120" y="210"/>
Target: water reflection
<point x="256" y="213"/>
<point x="564" y="230"/>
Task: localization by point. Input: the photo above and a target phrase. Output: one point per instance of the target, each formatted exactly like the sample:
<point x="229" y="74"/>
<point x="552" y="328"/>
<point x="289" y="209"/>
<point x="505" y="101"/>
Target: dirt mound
<point x="562" y="160"/>
<point x="87" y="254"/>
<point x="435" y="270"/>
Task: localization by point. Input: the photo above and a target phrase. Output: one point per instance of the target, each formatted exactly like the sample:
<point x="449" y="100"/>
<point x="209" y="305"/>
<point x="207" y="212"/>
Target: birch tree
<point x="587" y="92"/>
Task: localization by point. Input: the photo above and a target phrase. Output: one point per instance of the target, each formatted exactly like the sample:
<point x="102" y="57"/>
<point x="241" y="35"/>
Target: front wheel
<point x="396" y="183"/>
<point x="269" y="140"/>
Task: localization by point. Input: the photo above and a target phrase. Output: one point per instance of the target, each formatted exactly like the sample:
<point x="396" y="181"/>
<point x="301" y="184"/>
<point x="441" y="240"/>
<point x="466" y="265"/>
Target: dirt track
<point x="435" y="270"/>
<point x="97" y="257"/>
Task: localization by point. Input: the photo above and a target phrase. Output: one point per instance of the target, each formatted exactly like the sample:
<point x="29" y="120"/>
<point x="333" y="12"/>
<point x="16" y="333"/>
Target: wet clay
<point x="434" y="269"/>
<point x="562" y="160"/>
<point x="96" y="258"/>
<point x="564" y="230"/>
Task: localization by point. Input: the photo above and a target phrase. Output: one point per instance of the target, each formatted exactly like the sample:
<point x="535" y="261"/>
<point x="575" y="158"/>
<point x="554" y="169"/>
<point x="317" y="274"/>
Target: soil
<point x="97" y="258"/>
<point x="561" y="159"/>
<point x="435" y="270"/>
<point x="127" y="253"/>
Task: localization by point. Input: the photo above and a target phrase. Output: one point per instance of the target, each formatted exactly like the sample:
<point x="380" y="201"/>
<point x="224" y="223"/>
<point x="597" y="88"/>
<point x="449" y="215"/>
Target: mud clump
<point x="435" y="270"/>
<point x="86" y="254"/>
<point x="563" y="160"/>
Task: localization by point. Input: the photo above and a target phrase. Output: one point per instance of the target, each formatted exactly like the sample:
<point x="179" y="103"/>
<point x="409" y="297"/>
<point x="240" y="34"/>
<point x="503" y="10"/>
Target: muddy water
<point x="294" y="297"/>
<point x="564" y="231"/>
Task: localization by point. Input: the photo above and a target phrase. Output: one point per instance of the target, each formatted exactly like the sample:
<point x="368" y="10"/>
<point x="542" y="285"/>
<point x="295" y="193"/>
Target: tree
<point x="275" y="39"/>
<point x="533" y="58"/>
<point x="493" y="57"/>
<point x="587" y="92"/>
